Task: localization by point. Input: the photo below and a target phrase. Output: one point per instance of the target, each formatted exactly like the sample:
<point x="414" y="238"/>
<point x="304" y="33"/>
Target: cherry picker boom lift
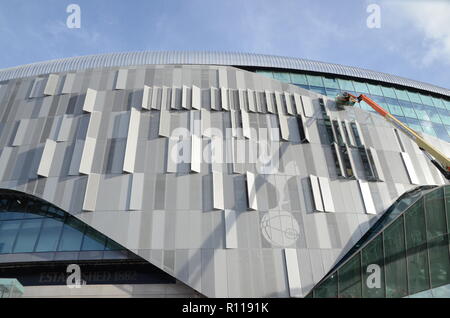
<point x="439" y="160"/>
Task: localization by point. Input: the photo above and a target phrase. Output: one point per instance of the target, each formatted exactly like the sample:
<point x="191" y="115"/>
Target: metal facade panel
<point x="409" y="168"/>
<point x="89" y="101"/>
<point x="251" y="191"/>
<point x="367" y="197"/>
<point x="52" y="85"/>
<point x="196" y="97"/>
<point x="293" y="274"/>
<point x="147" y="95"/>
<point x="317" y="196"/>
<point x="47" y="158"/>
<point x="121" y="80"/>
<point x="308" y="108"/>
<point x="231" y="238"/>
<point x="132" y="141"/>
<point x="327" y="197"/>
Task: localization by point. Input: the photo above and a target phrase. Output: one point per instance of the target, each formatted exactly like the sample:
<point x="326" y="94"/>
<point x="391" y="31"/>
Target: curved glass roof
<point x="209" y="58"/>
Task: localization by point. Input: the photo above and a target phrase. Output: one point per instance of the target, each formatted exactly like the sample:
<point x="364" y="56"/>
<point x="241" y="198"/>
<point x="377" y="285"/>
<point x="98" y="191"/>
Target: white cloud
<point x="432" y="20"/>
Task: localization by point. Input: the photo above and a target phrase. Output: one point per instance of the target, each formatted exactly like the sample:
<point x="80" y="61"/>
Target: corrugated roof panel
<point x="217" y="58"/>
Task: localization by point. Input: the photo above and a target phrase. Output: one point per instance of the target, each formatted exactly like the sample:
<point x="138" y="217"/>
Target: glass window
<point x="438" y="102"/>
<point x="401" y="94"/>
<point x="314" y="80"/>
<point x="433" y="114"/>
<point x="93" y="241"/>
<point x="427" y="128"/>
<point x="372" y="260"/>
<point x="282" y="76"/>
<point x="407" y="109"/>
<point x="435" y="213"/>
<point x="417" y="257"/>
<point x="332" y="92"/>
<point x="447" y="103"/>
<point x="421" y="112"/>
<point x="445" y="116"/>
<point x="330" y="82"/>
<point x="439" y="261"/>
<point x="317" y="89"/>
<point x="327" y="289"/>
<point x="375" y="89"/>
<point x="72" y="235"/>
<point x="299" y="79"/>
<point x="49" y="238"/>
<point x="414" y="97"/>
<point x="28" y="234"/>
<point x="350" y="278"/>
<point x="347" y="163"/>
<point x="8" y="232"/>
<point x="348" y="86"/>
<point x="356" y="134"/>
<point x="394" y="107"/>
<point x="361" y="87"/>
<point x="426" y="100"/>
<point x="441" y="132"/>
<point x="414" y="124"/>
<point x="395" y="260"/>
<point x="388" y="92"/>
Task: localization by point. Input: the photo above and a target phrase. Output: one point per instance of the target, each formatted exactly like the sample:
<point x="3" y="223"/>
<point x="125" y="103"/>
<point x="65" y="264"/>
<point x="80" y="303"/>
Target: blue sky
<point x="413" y="40"/>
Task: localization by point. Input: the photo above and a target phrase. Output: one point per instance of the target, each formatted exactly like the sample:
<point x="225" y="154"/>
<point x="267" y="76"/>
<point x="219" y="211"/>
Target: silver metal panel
<point x="121" y="81"/>
<point x="231" y="238"/>
<point x="269" y="102"/>
<point x="251" y="100"/>
<point x="52" y="85"/>
<point x="176" y="98"/>
<point x="246" y="129"/>
<point x="308" y="108"/>
<point x="164" y="123"/>
<point x="218" y="194"/>
<point x="251" y="191"/>
<point x="298" y="104"/>
<point x="147" y="95"/>
<point x="339" y="156"/>
<point x="76" y="158"/>
<point x="68" y="83"/>
<point x="293" y="273"/>
<point x="19" y="138"/>
<point x="132" y="141"/>
<point x="377" y="163"/>
<point x="409" y="168"/>
<point x="367" y="197"/>
<point x="37" y="89"/>
<point x="87" y="157"/>
<point x="327" y="197"/>
<point x="196" y="97"/>
<point x="317" y="197"/>
<point x="289" y="106"/>
<point x="186" y="100"/>
<point x="137" y="191"/>
<point x="215" y="102"/>
<point x="196" y="141"/>
<point x="47" y="158"/>
<point x="284" y="127"/>
<point x="65" y="128"/>
<point x="156" y="97"/>
<point x="207" y="58"/>
<point x="89" y="101"/>
<point x="224" y="98"/>
<point x="350" y="133"/>
<point x="90" y="197"/>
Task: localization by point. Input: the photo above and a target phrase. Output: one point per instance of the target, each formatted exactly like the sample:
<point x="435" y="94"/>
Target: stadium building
<point x="206" y="174"/>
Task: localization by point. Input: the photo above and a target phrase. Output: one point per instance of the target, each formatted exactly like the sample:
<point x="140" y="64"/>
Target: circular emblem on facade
<point x="280" y="228"/>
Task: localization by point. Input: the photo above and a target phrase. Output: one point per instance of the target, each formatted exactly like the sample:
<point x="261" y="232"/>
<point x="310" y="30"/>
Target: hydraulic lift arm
<point x="438" y="159"/>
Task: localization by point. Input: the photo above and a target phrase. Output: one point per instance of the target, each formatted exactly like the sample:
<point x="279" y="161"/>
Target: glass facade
<point x="30" y="225"/>
<point x="420" y="111"/>
<point x="406" y="252"/>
